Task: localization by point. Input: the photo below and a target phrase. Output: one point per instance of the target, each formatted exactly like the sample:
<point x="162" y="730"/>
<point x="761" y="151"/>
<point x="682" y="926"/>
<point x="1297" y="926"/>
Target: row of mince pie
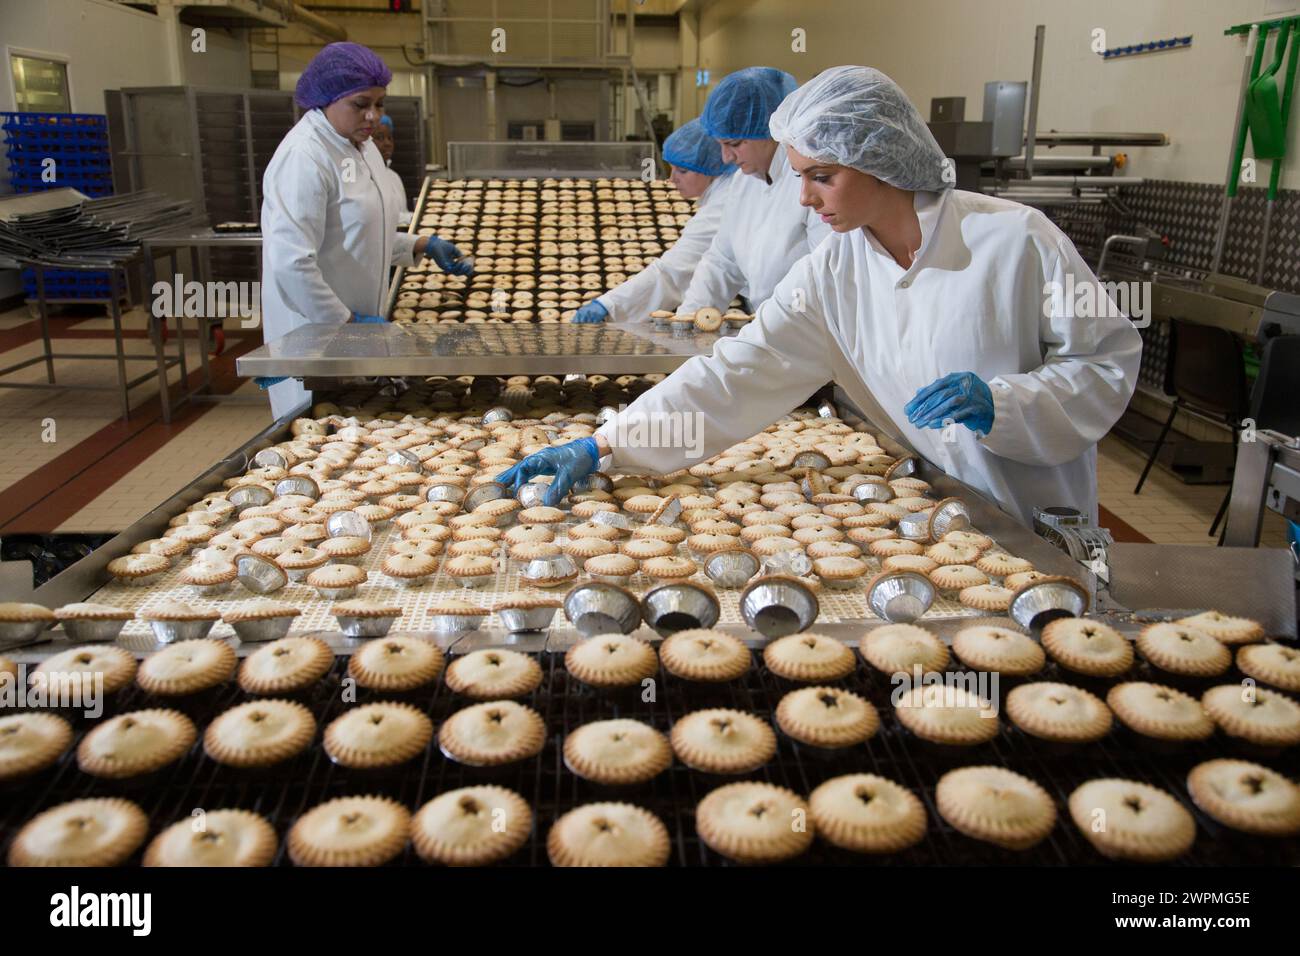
<point x="498" y="730"/>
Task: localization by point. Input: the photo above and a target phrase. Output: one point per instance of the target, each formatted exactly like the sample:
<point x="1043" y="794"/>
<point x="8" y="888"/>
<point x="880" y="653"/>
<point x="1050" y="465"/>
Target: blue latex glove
<point x="593" y="311"/>
<point x="961" y="397"/>
<point x="447" y="256"/>
<point x="265" y="383"/>
<point x="567" y="463"/>
<point x="360" y="319"/>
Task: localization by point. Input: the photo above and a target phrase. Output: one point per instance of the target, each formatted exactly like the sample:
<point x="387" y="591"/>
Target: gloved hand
<point x="567" y="463"/>
<point x="447" y="256"/>
<point x="360" y="319"/>
<point x="265" y="383"/>
<point x="962" y="397"/>
<point x="593" y="311"/>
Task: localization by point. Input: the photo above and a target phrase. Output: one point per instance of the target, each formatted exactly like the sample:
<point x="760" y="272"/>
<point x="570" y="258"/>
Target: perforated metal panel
<point x="1189" y="214"/>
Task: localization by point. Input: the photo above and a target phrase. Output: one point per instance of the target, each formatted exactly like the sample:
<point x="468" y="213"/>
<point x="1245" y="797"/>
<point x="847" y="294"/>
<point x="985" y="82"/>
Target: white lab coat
<point x="763" y="232"/>
<point x="973" y="300"/>
<point x="397" y="196"/>
<point x="662" y="284"/>
<point x="328" y="237"/>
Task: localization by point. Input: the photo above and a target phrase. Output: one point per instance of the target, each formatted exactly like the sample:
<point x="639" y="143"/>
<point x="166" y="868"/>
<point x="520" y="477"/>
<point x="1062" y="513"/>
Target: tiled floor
<point x="132" y="466"/>
<point x="1167" y="511"/>
<point x="222" y="430"/>
<point x="147" y="472"/>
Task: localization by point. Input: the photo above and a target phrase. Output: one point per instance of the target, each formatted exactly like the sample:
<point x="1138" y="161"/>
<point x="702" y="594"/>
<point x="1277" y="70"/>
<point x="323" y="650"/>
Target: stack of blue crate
<point x="54" y="151"/>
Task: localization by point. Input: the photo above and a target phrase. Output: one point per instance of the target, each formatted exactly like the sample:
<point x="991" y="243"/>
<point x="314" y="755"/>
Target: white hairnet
<point x="856" y="116"/>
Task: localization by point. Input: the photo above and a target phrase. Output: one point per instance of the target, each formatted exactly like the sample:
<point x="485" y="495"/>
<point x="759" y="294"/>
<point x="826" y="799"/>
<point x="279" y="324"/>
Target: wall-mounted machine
<point x="998" y="154"/>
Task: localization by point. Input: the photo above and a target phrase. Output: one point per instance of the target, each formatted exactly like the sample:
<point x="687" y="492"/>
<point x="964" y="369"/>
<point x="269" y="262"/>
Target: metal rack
<point x="115" y="303"/>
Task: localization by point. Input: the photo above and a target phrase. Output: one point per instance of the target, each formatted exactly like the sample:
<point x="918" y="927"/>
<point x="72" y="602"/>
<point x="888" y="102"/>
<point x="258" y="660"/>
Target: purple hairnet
<point x="340" y="70"/>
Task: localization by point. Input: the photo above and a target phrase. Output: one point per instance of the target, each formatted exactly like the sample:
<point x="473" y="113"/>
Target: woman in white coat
<point x="382" y="135"/>
<point x="763" y="231"/>
<point x="329" y="235"/>
<point x="937" y="311"/>
<point x="699" y="172"/>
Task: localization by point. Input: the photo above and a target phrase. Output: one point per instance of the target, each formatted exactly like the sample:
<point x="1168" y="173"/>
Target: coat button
<point x="905" y="283"/>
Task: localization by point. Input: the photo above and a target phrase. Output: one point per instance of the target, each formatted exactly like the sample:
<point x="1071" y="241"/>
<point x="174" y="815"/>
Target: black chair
<point x="1273" y="401"/>
<point x="1205" y="373"/>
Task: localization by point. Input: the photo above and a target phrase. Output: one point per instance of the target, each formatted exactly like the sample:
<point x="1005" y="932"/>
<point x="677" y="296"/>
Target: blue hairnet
<point x="386" y="120"/>
<point x="340" y="70"/>
<point x="856" y="116"/>
<point x="744" y="101"/>
<point x="690" y="147"/>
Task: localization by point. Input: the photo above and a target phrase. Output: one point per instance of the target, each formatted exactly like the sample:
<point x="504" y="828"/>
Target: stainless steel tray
<point x="330" y="351"/>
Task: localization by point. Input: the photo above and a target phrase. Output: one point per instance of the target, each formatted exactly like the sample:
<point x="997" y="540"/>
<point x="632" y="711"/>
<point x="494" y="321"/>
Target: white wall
<point x="109" y="46"/>
<point x="225" y="62"/>
<point x="951" y="47"/>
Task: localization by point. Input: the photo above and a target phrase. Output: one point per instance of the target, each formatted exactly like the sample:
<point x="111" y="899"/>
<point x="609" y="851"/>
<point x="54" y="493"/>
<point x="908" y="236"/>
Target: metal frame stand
<point x="1267" y="476"/>
<point x="197" y="242"/>
<point x="119" y="355"/>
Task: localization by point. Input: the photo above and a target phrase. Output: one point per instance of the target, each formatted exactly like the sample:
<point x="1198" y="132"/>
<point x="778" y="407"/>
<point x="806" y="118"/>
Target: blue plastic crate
<point x="77" y="142"/>
<point x="87" y="164"/>
<point x="76" y="125"/>
<point x="92" y="184"/>
<point x="20" y="149"/>
<point x="71" y="284"/>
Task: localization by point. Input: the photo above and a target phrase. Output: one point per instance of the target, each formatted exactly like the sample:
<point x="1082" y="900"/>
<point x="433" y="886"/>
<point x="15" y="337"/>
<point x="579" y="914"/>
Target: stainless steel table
<point x="340" y="351"/>
<point x="197" y="241"/>
<point x="116" y="298"/>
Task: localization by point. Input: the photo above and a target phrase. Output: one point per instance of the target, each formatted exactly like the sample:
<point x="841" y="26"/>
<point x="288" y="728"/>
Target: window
<point x="528" y="130"/>
<point x="578" y="132"/>
<point x="40" y="86"/>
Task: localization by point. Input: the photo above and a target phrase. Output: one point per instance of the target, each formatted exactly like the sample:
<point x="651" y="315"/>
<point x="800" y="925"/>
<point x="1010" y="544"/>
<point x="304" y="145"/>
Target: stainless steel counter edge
<point x="350" y="350"/>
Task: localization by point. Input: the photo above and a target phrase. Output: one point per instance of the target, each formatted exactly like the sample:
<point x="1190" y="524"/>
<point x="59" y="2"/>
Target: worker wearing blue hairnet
<point x="698" y="172"/>
<point x="938" y="312"/>
<point x="763" y="230"/>
<point x="329" y="229"/>
<point x="395" y="189"/>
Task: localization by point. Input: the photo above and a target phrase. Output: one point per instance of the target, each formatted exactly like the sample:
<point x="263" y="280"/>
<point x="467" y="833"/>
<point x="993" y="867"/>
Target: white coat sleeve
<point x="717" y="278"/>
<point x="1056" y="412"/>
<point x="748" y="382"/>
<point x="403" y="249"/>
<point x="662" y="284"/>
<point x="296" y="199"/>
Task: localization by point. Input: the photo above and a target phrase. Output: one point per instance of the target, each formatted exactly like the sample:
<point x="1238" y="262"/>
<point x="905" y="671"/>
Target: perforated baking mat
<point x="837" y="606"/>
